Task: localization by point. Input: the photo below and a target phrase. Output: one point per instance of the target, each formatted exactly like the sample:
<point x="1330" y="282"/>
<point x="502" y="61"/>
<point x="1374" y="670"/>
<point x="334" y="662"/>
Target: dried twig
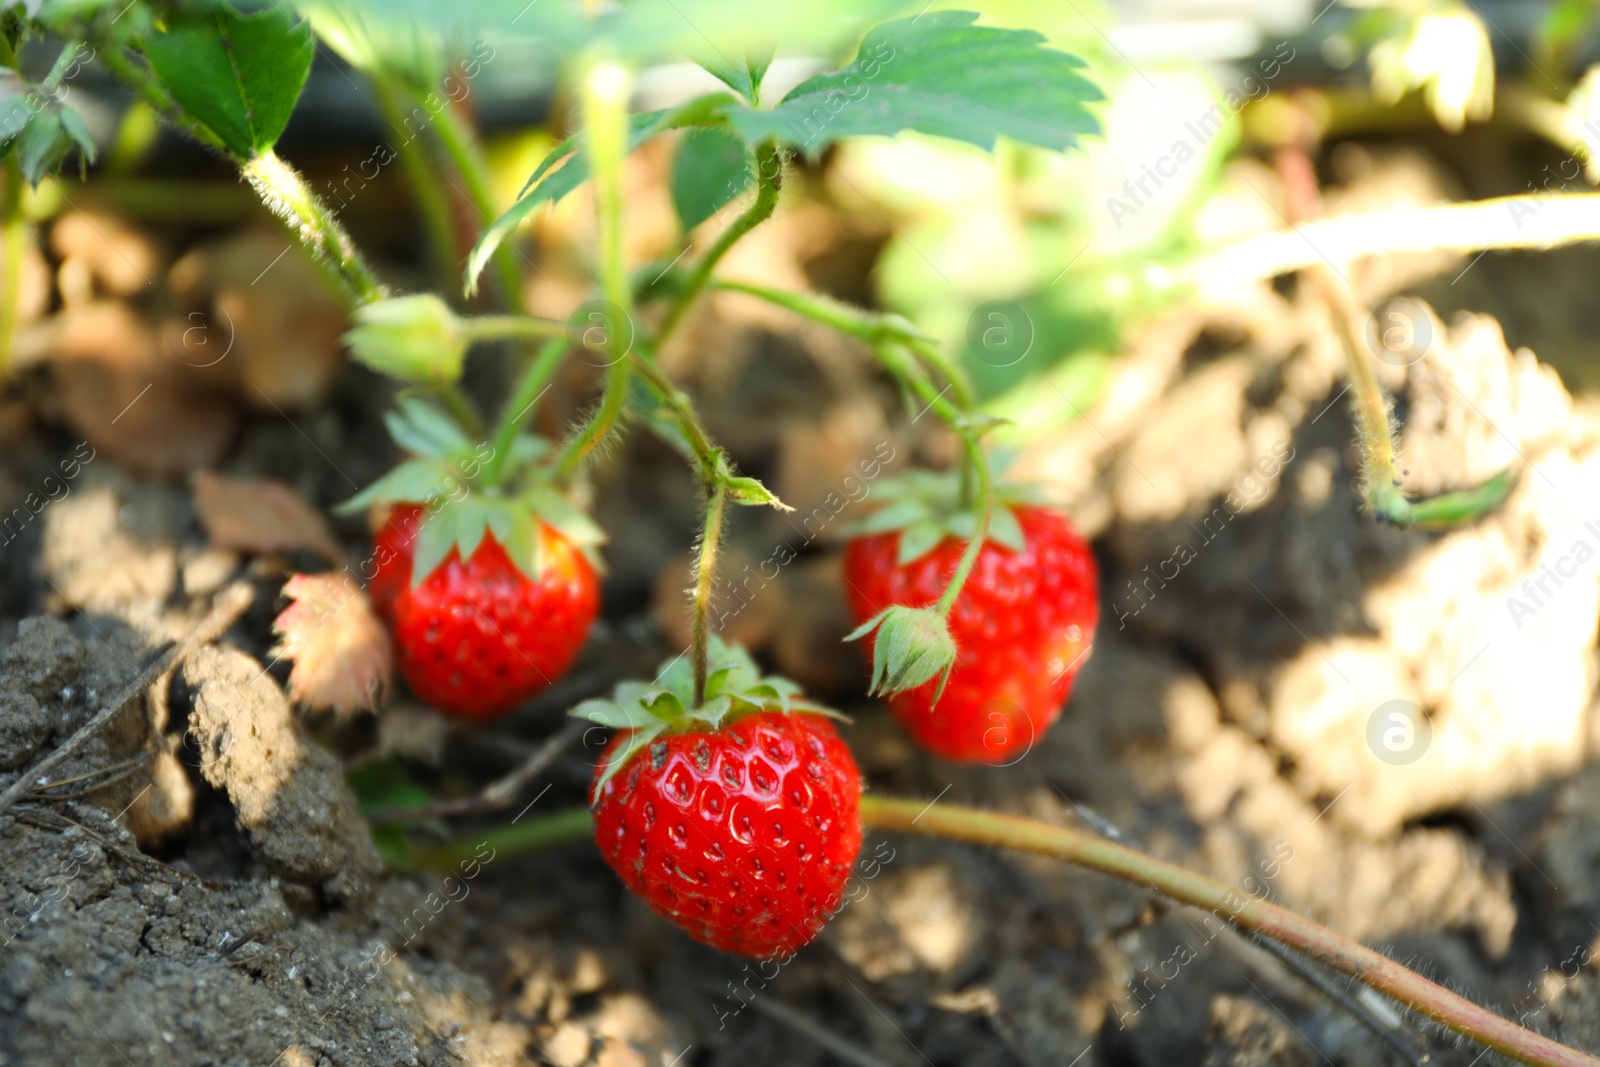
<point x="104" y="777"/>
<point x="228" y="606"/>
<point x="498" y="793"/>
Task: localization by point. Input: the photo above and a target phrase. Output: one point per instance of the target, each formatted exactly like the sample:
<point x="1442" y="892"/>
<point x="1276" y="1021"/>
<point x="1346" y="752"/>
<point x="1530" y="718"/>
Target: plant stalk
<point x="769" y="179"/>
<point x="461" y="145"/>
<point x="978" y="465"/>
<point x="432" y="203"/>
<point x="13" y="244"/>
<point x="1281" y="925"/>
<point x="705" y="575"/>
<point x="605" y="101"/>
<point x="1096" y="853"/>
<point x="529" y="389"/>
<point x="287" y="196"/>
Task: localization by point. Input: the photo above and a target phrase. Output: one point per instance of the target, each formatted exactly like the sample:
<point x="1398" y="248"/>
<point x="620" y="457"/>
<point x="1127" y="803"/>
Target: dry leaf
<point x="261" y="515"/>
<point x="121" y="258"/>
<point x="129" y="399"/>
<point x="251" y="311"/>
<point x="341" y="652"/>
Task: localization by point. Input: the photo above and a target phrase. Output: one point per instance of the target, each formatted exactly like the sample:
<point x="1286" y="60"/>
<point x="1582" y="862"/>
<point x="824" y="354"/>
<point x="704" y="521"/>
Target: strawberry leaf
<point x="238" y="74"/>
<point x="341" y="652"/>
<point x="261" y="515"/>
<point x="548" y="184"/>
<point x="710" y="168"/>
<point x="939" y="74"/>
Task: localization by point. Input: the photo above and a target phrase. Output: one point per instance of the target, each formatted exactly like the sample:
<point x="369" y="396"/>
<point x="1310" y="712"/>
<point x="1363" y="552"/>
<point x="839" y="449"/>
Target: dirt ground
<point x="222" y="902"/>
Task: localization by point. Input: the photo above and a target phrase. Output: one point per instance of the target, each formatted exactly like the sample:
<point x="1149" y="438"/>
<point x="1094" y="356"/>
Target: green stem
<point x="979" y="466"/>
<point x="432" y="203"/>
<point x="1096" y="853"/>
<point x="461" y="145"/>
<point x="13" y="244"/>
<point x="678" y="402"/>
<point x="535" y="835"/>
<point x="769" y="179"/>
<point x="527" y="393"/>
<point x="279" y="185"/>
<point x="705" y="575"/>
<point x="1375" y="431"/>
<point x="974" y="462"/>
<point x="948" y="369"/>
<point x="460" y="408"/>
<point x="515" y="327"/>
<point x="1281" y="925"/>
<point x="605" y="99"/>
<point x="287" y="196"/>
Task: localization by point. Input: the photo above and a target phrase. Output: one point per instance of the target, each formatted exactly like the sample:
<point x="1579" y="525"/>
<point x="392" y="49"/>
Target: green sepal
<point x="459" y="515"/>
<point x="918" y="539"/>
<point x="568" y="520"/>
<point x="413" y="481"/>
<point x="735" y="687"/>
<point x="925" y="506"/>
<point x="751" y="493"/>
<point x="913" y="645"/>
<point x="425" y="430"/>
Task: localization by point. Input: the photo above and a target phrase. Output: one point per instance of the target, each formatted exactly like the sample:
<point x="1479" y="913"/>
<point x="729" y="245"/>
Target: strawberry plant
<point x="726" y="800"/>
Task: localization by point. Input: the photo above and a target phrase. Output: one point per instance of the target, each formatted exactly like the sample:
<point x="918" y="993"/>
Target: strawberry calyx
<point x="912" y="646"/>
<point x="735" y="688"/>
<point x="443" y="474"/>
<point x="926" y="507"/>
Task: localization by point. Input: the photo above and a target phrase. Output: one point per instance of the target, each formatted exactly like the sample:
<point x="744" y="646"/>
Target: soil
<point x="222" y="901"/>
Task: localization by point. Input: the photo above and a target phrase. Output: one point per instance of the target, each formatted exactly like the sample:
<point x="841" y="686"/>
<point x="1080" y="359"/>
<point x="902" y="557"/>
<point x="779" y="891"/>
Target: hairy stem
<point x="948" y="369"/>
<point x="529" y="390"/>
<point x="1096" y="853"/>
<point x="13" y="243"/>
<point x="705" y="574"/>
<point x="978" y="465"/>
<point x="1281" y="925"/>
<point x="769" y="179"/>
<point x="1374" y="422"/>
<point x="678" y="402"/>
<point x="461" y="145"/>
<point x="605" y="100"/>
<point x="432" y="203"/>
<point x="517" y="327"/>
<point x="287" y="196"/>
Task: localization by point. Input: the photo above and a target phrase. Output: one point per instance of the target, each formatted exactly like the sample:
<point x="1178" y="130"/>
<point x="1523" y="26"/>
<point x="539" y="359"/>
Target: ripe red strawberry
<point x="1022" y="624"/>
<point x="490" y="590"/>
<point x="478" y="638"/>
<point x="737" y="820"/>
